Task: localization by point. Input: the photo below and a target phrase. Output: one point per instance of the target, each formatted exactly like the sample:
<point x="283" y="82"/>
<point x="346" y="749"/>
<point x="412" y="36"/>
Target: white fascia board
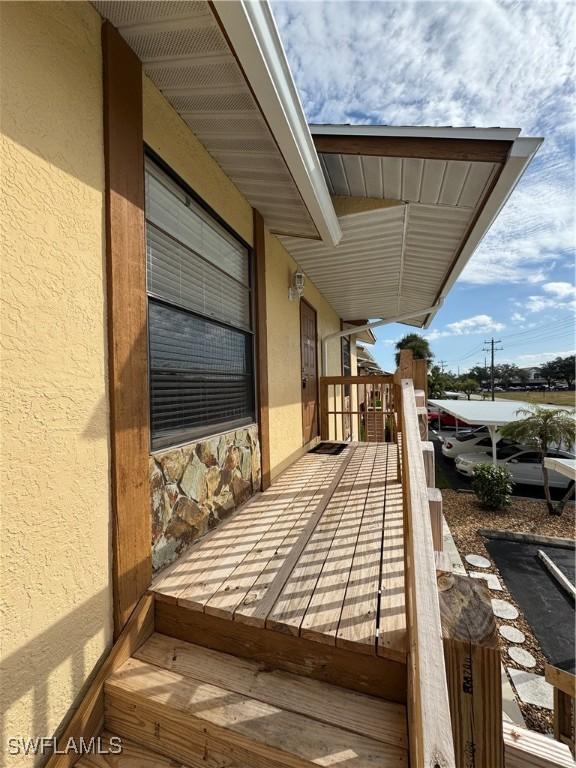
<point x="519" y="158"/>
<point x="420" y="132"/>
<point x="252" y="32"/>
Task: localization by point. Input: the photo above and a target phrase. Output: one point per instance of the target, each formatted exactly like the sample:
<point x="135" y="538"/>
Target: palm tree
<point x="545" y="428"/>
<point x="418" y="344"/>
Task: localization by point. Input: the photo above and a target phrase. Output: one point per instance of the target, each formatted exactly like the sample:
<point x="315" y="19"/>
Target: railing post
<point x="324" y="435"/>
<point x="435" y="504"/>
<point x="420" y="368"/>
<point x="564" y="705"/>
<point x="406" y="364"/>
<point x="429" y="463"/>
<point x="472" y="658"/>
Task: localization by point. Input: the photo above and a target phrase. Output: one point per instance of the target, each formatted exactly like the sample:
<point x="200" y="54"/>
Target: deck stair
<point x="200" y="707"/>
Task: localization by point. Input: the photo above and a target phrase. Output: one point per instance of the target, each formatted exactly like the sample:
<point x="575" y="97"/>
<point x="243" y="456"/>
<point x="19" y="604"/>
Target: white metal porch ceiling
<point x="186" y="55"/>
<point x="405" y="255"/>
<point x="415" y="180"/>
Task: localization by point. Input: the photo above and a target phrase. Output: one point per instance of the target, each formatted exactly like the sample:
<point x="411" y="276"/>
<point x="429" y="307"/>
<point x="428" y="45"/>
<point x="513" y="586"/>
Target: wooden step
<point x="209" y="709"/>
<point x="132" y="756"/>
<point x="374" y="675"/>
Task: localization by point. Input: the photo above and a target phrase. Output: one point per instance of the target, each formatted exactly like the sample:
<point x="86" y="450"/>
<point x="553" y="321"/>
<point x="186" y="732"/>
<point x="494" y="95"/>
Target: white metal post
<point x="493" y="429"/>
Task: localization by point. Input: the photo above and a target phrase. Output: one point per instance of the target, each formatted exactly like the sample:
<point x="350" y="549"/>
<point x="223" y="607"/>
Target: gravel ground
<point x="465" y="516"/>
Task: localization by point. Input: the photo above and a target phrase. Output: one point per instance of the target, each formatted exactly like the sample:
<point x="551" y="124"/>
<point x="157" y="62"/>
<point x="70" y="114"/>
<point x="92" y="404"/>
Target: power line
<point x="567" y="322"/>
<point x="492" y="349"/>
<point x="538" y="333"/>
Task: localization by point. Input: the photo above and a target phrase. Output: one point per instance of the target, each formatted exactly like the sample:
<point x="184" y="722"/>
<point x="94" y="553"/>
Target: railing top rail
<point x="431" y="739"/>
<point x="384" y="379"/>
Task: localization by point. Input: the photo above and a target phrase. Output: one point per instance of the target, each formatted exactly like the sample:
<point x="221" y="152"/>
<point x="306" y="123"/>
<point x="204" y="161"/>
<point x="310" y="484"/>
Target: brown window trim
<point x="127" y="324"/>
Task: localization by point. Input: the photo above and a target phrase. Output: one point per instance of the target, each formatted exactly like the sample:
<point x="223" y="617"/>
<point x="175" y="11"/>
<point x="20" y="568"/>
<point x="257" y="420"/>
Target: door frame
<point x="317" y="411"/>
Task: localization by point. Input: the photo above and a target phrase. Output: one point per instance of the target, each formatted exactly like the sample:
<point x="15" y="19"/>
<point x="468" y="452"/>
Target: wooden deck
<point x="319" y="555"/>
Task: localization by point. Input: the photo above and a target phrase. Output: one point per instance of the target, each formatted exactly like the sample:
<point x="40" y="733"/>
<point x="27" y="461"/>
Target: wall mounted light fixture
<point x="296" y="286"/>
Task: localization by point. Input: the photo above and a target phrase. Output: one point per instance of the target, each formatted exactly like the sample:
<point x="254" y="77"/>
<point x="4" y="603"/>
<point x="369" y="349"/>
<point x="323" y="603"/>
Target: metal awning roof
<point x="222" y="67"/>
<point x="566" y="467"/>
<point x="366" y="336"/>
<point x="413" y="204"/>
<point x="485" y="412"/>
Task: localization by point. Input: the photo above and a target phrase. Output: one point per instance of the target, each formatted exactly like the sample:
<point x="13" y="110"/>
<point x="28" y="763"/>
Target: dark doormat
<point x="330" y="449"/>
<point x="547" y="607"/>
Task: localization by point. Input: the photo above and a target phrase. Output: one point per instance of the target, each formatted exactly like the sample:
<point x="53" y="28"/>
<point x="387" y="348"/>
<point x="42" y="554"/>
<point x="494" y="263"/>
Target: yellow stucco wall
<point x="284" y="368"/>
<point x="55" y="538"/>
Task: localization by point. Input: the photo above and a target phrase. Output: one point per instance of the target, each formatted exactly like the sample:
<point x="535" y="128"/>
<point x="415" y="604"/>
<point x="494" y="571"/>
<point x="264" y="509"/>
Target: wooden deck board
<point x="320" y="555"/>
<point x="392" y="614"/>
<point x="359" y="617"/>
<point x="224" y="553"/>
<point x="290" y="607"/>
<point x="172" y="581"/>
<point x="322" y="616"/>
<point x="249" y="609"/>
<point x="288" y="524"/>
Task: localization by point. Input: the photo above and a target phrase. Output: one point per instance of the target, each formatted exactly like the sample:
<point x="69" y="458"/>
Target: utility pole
<point x="442" y="363"/>
<point x="492" y="349"/>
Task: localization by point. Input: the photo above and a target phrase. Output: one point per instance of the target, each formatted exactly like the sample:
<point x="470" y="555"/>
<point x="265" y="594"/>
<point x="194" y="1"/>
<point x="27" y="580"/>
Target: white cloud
<point x="483" y="63"/>
<point x="476" y="324"/>
<point x="560" y="296"/>
<point x="468" y="326"/>
<point x="517" y="317"/>
<point x="537" y="358"/>
<point x="561" y="290"/>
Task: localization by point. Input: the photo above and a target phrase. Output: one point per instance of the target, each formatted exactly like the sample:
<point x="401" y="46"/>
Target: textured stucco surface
<point x="196" y="486"/>
<point x="55" y="547"/>
<point x="284" y="365"/>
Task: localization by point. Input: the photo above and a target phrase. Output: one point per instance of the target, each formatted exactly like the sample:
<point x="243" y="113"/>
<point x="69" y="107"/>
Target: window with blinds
<point x="199" y="318"/>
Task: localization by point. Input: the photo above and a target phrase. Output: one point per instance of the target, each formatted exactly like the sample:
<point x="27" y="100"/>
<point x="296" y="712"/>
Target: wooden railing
<point x="564" y="684"/>
<point x="431" y="740"/>
<point x="359" y="408"/>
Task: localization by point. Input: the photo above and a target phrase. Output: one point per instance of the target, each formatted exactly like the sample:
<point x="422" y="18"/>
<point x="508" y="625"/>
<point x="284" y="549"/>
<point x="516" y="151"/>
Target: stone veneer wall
<point x="195" y="486"/>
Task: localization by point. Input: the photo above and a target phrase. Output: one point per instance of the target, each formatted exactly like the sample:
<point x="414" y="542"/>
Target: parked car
<point x="524" y="465"/>
<point x="442" y="419"/>
<point x="472" y="442"/>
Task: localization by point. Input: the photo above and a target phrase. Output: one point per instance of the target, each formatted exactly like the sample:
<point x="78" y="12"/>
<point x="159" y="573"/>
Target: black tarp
<point x="546" y="606"/>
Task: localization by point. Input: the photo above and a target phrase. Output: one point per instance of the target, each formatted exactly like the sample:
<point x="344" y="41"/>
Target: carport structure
<point x="485" y="413"/>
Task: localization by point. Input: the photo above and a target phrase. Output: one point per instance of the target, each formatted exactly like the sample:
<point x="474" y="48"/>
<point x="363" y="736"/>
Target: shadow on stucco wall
<point x="30" y="668"/>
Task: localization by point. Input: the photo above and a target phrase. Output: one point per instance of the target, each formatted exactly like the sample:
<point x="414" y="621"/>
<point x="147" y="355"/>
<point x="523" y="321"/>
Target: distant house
<point x="533" y="375"/>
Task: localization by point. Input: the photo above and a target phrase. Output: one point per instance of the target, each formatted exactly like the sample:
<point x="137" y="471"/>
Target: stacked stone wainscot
<point x="195" y="486"/>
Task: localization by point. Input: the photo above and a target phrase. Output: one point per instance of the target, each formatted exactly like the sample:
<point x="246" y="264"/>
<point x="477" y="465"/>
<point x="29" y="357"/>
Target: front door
<point x="309" y="378"/>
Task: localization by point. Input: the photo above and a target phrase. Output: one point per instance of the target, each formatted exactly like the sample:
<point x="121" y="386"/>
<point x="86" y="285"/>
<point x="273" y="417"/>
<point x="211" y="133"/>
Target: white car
<point x="472" y="442"/>
<point x="524" y="465"/>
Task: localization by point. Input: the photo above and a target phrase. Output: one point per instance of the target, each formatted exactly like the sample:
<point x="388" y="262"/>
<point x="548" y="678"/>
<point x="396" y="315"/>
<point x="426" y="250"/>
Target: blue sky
<point x="467" y="62"/>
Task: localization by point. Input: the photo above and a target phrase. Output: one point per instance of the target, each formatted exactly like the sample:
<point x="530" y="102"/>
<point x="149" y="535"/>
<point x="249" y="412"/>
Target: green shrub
<point x="492" y="486"/>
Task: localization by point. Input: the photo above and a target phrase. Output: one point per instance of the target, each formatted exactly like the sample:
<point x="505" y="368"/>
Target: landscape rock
<point x="193" y="481"/>
<point x="173" y="465"/>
